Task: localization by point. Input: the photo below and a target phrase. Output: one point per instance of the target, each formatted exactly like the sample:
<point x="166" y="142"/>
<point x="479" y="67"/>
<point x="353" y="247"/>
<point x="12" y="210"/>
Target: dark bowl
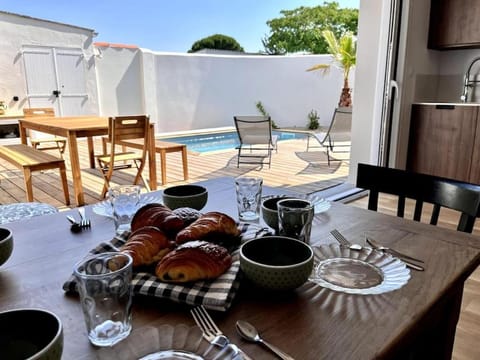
<point x="192" y="196"/>
<point x="276" y="262"/>
<point x="32" y="334"/>
<point x="270" y="210"/>
<point x="6" y="245"/>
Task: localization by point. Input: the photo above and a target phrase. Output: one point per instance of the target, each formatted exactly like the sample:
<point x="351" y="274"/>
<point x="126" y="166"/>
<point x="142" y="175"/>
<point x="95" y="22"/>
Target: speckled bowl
<point x="270" y="210"/>
<point x="32" y="334"/>
<point x="6" y="245"/>
<point x="192" y="196"/>
<point x="276" y="262"/>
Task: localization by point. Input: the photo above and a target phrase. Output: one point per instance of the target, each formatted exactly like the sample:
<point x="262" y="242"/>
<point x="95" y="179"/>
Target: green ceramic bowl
<point x="6" y="245"/>
<point x="276" y="262"/>
<point x="270" y="210"/>
<point x="32" y="334"/>
<point x="192" y="196"/>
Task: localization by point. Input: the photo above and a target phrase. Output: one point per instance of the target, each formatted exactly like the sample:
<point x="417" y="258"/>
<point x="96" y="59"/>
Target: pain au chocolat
<point x="192" y="261"/>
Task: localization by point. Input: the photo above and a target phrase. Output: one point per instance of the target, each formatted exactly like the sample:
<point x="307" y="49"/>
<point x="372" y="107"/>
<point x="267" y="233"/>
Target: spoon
<point x="250" y="333"/>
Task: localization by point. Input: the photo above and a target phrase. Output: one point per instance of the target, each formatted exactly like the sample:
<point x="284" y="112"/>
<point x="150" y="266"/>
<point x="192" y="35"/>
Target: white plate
<point x="104" y="208"/>
<point x="363" y="272"/>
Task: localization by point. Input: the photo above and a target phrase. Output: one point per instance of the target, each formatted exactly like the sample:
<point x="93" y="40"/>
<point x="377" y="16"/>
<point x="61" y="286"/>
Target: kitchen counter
<point x="447" y="103"/>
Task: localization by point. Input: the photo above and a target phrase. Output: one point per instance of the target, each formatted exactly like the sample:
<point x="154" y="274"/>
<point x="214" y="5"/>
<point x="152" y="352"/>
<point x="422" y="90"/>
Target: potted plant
<point x="3" y="107"/>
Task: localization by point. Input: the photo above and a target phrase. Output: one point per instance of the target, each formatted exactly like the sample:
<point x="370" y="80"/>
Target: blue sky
<point x="166" y="25"/>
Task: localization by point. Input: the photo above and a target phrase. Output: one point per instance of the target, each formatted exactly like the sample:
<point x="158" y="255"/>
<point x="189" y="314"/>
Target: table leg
<point x="91" y="152"/>
<point x="23" y="133"/>
<point x="163" y="165"/>
<point x="185" y="162"/>
<point x="152" y="165"/>
<point x="76" y="171"/>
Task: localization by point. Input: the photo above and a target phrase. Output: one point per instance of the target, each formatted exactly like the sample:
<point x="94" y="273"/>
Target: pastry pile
<point x="183" y="245"/>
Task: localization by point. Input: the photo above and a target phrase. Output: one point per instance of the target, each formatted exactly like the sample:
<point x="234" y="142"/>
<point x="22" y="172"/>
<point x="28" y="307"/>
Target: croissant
<point x="146" y="245"/>
<point x="157" y="215"/>
<point x="192" y="261"/>
<point x="207" y="226"/>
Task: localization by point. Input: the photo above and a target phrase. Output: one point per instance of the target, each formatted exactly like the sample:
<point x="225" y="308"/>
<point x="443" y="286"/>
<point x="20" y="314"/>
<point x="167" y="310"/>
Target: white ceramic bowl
<point x="32" y="334"/>
<point x="276" y="262"/>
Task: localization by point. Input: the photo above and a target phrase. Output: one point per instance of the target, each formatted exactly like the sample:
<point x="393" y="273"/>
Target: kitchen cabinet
<point x="445" y="141"/>
<point x="454" y="24"/>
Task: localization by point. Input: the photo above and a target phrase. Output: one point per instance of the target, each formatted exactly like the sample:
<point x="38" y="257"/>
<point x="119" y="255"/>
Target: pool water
<point x="221" y="141"/>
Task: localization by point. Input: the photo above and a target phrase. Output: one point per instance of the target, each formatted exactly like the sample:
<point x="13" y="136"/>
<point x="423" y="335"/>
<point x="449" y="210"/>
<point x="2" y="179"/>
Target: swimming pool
<point x="221" y="141"/>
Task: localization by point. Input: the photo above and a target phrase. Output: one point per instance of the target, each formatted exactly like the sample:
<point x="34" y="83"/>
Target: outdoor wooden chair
<point x="337" y="135"/>
<point x="42" y="141"/>
<point x="256" y="140"/>
<point x="422" y="188"/>
<point x="123" y="128"/>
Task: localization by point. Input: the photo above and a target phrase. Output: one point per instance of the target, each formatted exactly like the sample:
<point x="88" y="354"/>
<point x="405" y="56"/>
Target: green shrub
<point x="313" y="118"/>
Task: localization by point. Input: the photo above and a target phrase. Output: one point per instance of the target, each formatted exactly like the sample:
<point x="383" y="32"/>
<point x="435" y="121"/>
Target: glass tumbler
<point x="103" y="282"/>
<point x="295" y="218"/>
<point x="249" y="195"/>
<point x="124" y="200"/>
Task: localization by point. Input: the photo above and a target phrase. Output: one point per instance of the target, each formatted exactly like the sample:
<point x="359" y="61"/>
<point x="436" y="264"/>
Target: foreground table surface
<point x="308" y="323"/>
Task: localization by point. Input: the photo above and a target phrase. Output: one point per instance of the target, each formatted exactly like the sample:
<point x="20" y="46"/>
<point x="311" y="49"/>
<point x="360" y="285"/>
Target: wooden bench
<point x="161" y="147"/>
<point x="29" y="160"/>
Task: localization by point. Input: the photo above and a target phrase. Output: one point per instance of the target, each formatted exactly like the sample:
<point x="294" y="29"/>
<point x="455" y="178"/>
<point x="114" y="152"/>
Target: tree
<point x="344" y="52"/>
<point x="217" y="41"/>
<point x="300" y="30"/>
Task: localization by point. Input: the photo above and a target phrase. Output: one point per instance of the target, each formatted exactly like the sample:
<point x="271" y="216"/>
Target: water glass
<point x="124" y="200"/>
<point x="295" y="218"/>
<point x="103" y="282"/>
<point x="249" y="194"/>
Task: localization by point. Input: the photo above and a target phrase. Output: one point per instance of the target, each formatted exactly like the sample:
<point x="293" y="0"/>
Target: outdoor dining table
<point x="72" y="128"/>
<point x="416" y="321"/>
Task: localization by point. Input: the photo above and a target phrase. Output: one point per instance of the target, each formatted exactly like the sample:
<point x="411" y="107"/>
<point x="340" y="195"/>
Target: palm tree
<point x="344" y="52"/>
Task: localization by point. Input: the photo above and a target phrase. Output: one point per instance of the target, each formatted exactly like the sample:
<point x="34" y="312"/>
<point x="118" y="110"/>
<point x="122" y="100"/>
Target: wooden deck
<point x="292" y="167"/>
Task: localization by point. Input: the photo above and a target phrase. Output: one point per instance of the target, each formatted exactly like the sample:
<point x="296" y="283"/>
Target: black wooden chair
<point x="423" y="188"/>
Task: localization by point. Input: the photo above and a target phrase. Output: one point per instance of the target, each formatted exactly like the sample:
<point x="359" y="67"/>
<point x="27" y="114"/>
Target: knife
<point x="394" y="253"/>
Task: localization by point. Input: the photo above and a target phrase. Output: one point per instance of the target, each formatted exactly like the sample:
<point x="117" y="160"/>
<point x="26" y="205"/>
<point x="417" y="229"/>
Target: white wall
<point x="197" y="91"/>
<point x="16" y="31"/>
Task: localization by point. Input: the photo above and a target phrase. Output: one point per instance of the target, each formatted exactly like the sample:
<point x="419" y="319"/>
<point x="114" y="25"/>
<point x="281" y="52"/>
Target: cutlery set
<point x="407" y="259"/>
<point x="215" y="337"/>
<point x="77" y="226"/>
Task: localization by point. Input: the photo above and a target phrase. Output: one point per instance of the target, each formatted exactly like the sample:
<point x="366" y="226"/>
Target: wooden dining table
<point x="72" y="128"/>
<point x="416" y="321"/>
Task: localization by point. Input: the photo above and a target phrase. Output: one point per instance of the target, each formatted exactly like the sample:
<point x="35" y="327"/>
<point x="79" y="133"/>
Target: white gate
<point x="56" y="78"/>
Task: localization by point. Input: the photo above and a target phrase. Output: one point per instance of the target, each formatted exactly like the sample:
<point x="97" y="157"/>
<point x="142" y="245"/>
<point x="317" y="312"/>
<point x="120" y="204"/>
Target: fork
<point x="343" y="241"/>
<point x="84" y="222"/>
<point x="212" y="333"/>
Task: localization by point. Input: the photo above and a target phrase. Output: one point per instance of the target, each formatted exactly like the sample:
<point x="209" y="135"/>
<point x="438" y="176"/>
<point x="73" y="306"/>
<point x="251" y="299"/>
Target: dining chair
<point x="122" y="128"/>
<point x="422" y="188"/>
<point x="42" y="141"/>
<point x="336" y="135"/>
<point x="256" y="140"/>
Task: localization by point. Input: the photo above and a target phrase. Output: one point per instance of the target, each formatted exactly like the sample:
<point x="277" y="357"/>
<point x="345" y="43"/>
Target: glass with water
<point x="104" y="285"/>
<point x="124" y="200"/>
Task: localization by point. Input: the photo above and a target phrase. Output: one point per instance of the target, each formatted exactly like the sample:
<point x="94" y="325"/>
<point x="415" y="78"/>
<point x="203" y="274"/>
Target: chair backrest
<point x="128" y="128"/>
<point x="341" y="124"/>
<point x="253" y="130"/>
<point x="424" y="189"/>
<point x="37" y="112"/>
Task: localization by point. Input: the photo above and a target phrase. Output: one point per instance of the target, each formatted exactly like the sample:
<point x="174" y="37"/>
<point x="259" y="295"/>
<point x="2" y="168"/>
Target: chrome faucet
<point x="467" y="82"/>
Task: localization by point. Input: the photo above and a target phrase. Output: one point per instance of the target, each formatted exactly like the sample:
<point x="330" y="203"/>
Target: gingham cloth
<point x="216" y="294"/>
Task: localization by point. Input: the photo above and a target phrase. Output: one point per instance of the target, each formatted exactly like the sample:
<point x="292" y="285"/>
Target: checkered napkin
<point x="216" y="294"/>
